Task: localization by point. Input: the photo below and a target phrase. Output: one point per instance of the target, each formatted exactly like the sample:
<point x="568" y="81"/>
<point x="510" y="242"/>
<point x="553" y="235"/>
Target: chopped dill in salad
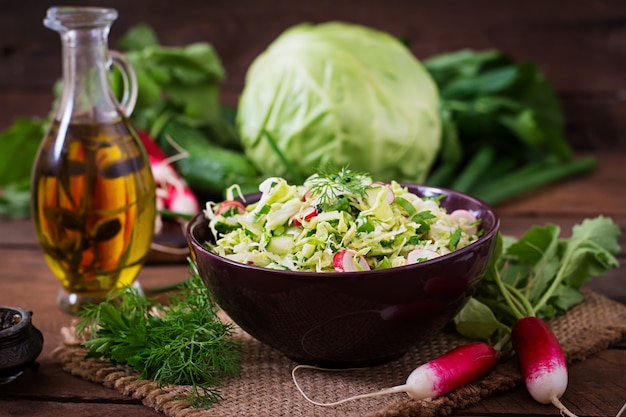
<point x="336" y="222"/>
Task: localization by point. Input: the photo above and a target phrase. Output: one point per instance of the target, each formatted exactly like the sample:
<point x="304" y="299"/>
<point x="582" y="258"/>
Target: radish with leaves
<point x="432" y="379"/>
<point x="534" y="279"/>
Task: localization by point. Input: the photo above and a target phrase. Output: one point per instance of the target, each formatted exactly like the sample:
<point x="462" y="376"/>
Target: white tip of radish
<point x="547" y="383"/>
<point x="183" y="201"/>
<point x="418" y="255"/>
<point x="346" y="260"/>
<point x="419" y="385"/>
<point x="162" y="172"/>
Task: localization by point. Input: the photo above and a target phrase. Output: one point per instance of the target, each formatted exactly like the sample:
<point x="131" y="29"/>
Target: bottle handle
<point x="129" y="78"/>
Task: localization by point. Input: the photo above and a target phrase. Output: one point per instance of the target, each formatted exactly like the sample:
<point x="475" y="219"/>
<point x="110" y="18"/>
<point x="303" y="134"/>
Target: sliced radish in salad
<point x="230" y="204"/>
<point x="306" y="214"/>
<point x="306" y="195"/>
<point x="466" y="220"/>
<point x="346" y="260"/>
<point x="418" y="255"/>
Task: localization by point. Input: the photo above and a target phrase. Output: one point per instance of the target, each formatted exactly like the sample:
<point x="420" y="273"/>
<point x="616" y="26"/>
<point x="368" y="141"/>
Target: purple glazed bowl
<point x="348" y="319"/>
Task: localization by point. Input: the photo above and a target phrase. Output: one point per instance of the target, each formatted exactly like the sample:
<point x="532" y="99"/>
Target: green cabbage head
<point x="338" y="94"/>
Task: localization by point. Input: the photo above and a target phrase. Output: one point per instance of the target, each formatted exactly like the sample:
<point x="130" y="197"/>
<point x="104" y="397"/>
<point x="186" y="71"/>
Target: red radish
<point x="182" y="200"/>
<point x="541" y="360"/>
<point x="230" y="204"/>
<point x="417" y="255"/>
<point x="307" y="214"/>
<point x="153" y="150"/>
<point x="172" y="191"/>
<point x="439" y="376"/>
<point x="344" y="261"/>
<point x="458" y="367"/>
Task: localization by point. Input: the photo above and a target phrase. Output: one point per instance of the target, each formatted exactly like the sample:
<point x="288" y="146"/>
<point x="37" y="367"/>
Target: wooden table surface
<point x="597" y="385"/>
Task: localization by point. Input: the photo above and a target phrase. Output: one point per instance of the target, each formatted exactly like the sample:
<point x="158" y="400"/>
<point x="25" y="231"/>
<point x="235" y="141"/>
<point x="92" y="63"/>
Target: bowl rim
<point x="200" y="218"/>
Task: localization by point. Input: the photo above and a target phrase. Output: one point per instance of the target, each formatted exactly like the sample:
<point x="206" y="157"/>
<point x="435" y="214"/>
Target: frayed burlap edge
<point x="586" y="329"/>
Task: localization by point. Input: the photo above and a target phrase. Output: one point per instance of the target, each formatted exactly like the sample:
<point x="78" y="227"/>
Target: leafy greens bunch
<point x="540" y="274"/>
<point x="18" y="148"/>
<point x="178" y="104"/>
<point x="182" y="342"/>
<point x="503" y="128"/>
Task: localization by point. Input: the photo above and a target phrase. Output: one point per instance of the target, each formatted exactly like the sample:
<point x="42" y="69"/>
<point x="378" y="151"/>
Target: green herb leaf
<point x="477" y="321"/>
<point x="536" y="253"/>
<point x="589" y="252"/>
<point x="334" y="188"/>
<point x="15" y="200"/>
<point x="455" y="238"/>
<point x="492" y="102"/>
<point x="182" y="342"/>
<point x="542" y="273"/>
<point x="138" y="37"/>
<point x="18" y="148"/>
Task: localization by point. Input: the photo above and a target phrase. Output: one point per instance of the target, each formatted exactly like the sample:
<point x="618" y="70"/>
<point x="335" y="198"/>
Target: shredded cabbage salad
<point x="336" y="222"/>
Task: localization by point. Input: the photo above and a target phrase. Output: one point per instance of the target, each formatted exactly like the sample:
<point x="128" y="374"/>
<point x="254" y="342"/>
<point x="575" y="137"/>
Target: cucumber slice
<point x="281" y="245"/>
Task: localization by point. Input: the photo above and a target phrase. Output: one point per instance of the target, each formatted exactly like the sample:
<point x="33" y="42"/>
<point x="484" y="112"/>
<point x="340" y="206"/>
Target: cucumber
<point x="209" y="169"/>
<point x="281" y="245"/>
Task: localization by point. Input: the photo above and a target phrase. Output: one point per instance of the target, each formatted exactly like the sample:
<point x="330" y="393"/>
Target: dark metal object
<point x="20" y="343"/>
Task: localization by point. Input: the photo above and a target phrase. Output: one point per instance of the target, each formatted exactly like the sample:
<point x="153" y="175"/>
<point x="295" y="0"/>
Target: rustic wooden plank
<point x="17" y="233"/>
<point x="51" y="382"/>
<point x="67" y="409"/>
<point x="594" y="121"/>
<point x="573" y="43"/>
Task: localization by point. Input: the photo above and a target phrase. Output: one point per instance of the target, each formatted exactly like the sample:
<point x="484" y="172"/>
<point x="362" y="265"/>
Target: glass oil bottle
<point x="93" y="194"/>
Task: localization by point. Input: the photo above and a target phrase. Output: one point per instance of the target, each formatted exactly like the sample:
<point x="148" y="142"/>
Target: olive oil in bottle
<point x="95" y="207"/>
<point x="93" y="194"/>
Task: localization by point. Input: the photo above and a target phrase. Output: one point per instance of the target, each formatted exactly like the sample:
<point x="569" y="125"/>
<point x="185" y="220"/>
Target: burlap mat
<point x="265" y="386"/>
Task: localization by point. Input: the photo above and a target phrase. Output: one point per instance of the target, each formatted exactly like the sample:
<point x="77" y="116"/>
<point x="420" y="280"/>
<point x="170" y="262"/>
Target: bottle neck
<point x="86" y="95"/>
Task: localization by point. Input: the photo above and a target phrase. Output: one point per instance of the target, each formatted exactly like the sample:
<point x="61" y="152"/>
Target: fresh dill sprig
<point x="181" y="343"/>
<point x="333" y="188"/>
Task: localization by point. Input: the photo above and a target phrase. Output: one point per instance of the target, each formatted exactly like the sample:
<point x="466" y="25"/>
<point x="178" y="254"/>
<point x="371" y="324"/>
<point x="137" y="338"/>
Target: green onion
<point x="531" y="177"/>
